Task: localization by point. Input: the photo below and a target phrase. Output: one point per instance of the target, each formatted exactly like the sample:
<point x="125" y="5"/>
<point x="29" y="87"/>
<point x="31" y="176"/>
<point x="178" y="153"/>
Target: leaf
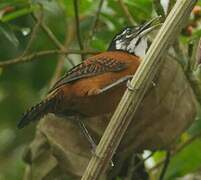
<point x="5" y="3"/>
<point x="19" y="13"/>
<point x="158" y="156"/>
<point x="196" y="126"/>
<point x="186" y="161"/>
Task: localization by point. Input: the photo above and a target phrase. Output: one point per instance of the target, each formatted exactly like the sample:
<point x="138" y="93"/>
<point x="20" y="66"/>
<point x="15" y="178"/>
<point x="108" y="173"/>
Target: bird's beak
<point x="147" y="27"/>
<point x="150" y="26"/>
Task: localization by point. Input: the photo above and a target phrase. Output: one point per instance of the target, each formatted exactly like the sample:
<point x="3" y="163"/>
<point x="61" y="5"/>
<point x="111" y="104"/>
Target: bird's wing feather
<point x="90" y="67"/>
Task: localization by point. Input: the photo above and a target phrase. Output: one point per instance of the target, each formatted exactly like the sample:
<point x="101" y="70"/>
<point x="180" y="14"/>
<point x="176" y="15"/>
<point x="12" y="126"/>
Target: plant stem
<point x="141" y="81"/>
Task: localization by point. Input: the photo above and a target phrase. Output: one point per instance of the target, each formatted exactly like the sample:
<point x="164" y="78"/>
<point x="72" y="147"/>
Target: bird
<point x="95" y="86"/>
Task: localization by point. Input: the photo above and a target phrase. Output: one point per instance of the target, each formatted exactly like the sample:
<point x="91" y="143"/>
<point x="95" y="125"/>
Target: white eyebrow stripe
<point x="120" y="45"/>
<point x="124" y="31"/>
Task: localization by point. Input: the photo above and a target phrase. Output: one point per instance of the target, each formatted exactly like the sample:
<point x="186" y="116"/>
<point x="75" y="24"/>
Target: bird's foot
<point x="130" y="86"/>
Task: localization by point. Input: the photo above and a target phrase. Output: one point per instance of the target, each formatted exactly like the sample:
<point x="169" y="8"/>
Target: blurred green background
<point x="22" y="85"/>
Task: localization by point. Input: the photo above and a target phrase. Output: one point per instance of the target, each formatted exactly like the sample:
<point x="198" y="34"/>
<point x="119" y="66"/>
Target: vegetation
<point x="39" y="41"/>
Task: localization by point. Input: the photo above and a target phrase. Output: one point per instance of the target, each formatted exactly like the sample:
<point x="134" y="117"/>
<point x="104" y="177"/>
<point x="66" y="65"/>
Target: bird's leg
<point x="116" y="83"/>
<point x="86" y="133"/>
<point x="166" y="163"/>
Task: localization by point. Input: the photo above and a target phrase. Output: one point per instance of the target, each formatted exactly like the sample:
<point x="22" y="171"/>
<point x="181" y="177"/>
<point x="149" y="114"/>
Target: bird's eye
<point x="128" y="31"/>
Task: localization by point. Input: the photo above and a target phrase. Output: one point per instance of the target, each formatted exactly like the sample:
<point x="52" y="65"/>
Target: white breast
<point x="139" y="49"/>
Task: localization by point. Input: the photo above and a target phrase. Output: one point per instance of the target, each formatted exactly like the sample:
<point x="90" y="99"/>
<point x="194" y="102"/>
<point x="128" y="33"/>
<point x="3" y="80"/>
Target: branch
<point x="78" y="26"/>
<point x="95" y="23"/>
<point x="159" y="9"/>
<point x="69" y="36"/>
<point x="132" y="98"/>
<point x="170" y="5"/>
<point x="34" y="56"/>
<point x="49" y="33"/>
<point x="96" y="18"/>
<point x="142" y="162"/>
<point x="33" y="34"/>
<point x="197" y="54"/>
<point x="55" y="40"/>
<point x="126" y="12"/>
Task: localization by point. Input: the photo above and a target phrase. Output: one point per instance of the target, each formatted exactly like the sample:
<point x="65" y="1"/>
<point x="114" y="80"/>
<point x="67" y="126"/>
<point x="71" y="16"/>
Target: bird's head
<point x="133" y="39"/>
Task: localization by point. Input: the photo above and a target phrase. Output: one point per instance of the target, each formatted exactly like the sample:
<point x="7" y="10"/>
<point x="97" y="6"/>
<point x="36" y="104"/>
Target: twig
<point x="78" y="26"/>
<point x="126" y="12"/>
<point x="33" y="34"/>
<point x="34" y="56"/>
<point x="49" y="33"/>
<point x="32" y="37"/>
<point x="159" y="9"/>
<point x="132" y="99"/>
<point x="170" y="5"/>
<point x="69" y="36"/>
<point x="134" y="166"/>
<point x="179" y="52"/>
<point x="71" y="61"/>
<point x="166" y="163"/>
<point x="142" y="162"/>
<point x="58" y="70"/>
<point x="197" y="54"/>
<point x="95" y="22"/>
<point x="96" y="18"/>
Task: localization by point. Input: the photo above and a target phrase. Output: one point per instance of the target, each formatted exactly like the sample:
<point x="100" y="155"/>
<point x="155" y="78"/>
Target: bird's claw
<point x="153" y="83"/>
<point x="93" y="151"/>
<point x="130" y="87"/>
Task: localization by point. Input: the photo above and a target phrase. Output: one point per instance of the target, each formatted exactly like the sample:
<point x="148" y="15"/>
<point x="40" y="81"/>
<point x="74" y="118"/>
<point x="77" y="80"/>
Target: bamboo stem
<point x="141" y="81"/>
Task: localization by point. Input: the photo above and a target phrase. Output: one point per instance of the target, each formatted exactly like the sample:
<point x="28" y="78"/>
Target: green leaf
<point x="196" y="126"/>
<point x="159" y="155"/>
<point x="19" y="13"/>
<point x="186" y="161"/>
<point x="6" y="3"/>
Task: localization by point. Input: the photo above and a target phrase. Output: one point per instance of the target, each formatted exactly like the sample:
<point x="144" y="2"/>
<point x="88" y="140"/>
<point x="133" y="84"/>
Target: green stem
<point x="19" y="13"/>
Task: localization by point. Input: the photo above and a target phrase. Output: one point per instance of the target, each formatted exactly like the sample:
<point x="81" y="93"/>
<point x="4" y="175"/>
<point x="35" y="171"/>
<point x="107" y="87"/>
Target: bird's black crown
<point x="133" y="39"/>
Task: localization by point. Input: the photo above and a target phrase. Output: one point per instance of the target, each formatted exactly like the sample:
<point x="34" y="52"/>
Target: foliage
<point x="22" y="85"/>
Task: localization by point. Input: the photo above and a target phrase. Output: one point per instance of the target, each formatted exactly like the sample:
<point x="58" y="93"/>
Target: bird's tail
<point x="38" y="111"/>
